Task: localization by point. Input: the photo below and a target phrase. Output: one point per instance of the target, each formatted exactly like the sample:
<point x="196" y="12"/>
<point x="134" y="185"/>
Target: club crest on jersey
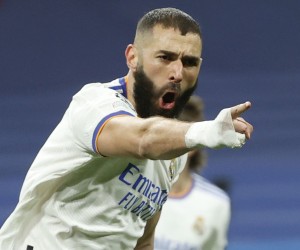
<point x="172" y="169"/>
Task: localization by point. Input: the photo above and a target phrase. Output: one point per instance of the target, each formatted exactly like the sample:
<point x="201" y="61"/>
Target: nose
<point x="176" y="71"/>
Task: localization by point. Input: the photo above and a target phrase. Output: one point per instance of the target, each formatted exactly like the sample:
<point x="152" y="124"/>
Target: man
<point x="101" y="178"/>
<point x="197" y="213"/>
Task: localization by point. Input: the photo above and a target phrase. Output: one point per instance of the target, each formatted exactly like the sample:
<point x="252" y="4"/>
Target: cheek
<point x="156" y="72"/>
<point x="190" y="77"/>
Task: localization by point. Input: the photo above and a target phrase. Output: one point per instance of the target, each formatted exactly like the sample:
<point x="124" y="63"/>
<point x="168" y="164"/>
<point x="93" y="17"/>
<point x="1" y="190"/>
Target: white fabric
<point x="73" y="198"/>
<point x="197" y="220"/>
<point x="215" y="134"/>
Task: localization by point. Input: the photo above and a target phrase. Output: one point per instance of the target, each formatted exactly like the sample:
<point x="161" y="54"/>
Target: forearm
<point x="146" y="246"/>
<point x="146" y="242"/>
<point x="163" y="139"/>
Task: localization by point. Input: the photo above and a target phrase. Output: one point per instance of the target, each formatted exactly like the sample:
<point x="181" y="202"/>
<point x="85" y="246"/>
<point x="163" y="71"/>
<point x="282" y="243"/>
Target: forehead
<point x="169" y="39"/>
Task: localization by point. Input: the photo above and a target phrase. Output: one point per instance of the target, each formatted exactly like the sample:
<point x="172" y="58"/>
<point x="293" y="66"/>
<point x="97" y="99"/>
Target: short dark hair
<point x="169" y="18"/>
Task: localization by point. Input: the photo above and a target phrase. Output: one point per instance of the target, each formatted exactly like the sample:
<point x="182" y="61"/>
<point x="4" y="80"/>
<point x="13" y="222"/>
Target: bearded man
<point x="103" y="175"/>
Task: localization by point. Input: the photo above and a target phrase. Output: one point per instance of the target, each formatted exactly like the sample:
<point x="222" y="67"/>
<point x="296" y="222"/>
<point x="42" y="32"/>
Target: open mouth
<point x="167" y="101"/>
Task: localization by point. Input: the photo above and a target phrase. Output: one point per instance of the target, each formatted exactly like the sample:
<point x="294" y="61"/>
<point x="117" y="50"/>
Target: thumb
<point x="237" y="110"/>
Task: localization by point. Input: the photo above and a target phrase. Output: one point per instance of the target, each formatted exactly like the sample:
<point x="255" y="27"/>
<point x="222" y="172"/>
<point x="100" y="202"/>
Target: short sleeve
<point x="89" y="111"/>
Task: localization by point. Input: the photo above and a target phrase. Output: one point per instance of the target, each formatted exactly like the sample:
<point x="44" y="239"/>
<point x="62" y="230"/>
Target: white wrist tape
<point x="215" y="134"/>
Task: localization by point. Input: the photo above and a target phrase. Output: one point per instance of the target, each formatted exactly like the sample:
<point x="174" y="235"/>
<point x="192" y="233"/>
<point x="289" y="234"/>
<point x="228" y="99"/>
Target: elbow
<point x="149" y="149"/>
<point x="145" y="150"/>
<point x="146" y="144"/>
<point x="151" y="145"/>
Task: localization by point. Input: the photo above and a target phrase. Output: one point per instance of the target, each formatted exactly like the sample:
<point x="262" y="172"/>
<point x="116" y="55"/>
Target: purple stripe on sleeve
<point x="100" y="124"/>
<point x="123" y="85"/>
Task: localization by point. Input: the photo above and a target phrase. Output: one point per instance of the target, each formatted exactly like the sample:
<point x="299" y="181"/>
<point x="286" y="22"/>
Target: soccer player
<point x="103" y="175"/>
<point x="197" y="213"/>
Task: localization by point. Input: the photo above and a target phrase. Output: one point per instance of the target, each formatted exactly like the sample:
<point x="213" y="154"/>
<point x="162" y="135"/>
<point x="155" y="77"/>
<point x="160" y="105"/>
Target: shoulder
<point x="91" y="90"/>
<point x="112" y="95"/>
<point x="209" y="188"/>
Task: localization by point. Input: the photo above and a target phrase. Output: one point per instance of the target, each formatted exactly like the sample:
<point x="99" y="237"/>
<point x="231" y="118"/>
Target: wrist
<point x="214" y="134"/>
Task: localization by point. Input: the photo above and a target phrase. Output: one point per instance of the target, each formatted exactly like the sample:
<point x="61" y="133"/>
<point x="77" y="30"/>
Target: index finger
<point x="237" y="110"/>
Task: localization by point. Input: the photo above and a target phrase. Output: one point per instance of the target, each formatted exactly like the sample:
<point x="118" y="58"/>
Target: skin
<point x="166" y="57"/>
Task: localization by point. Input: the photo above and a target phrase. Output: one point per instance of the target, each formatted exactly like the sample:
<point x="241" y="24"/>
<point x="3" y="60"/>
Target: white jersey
<point x="74" y="198"/>
<point x="197" y="220"/>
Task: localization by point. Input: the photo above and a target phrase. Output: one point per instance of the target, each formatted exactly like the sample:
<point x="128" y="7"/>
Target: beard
<point x="146" y="97"/>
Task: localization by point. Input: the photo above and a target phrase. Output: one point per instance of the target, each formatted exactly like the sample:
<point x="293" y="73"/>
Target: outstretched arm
<point x="162" y="138"/>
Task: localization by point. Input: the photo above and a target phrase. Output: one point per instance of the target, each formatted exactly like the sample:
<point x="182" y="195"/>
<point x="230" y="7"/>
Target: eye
<point x="190" y="62"/>
<point x="164" y="57"/>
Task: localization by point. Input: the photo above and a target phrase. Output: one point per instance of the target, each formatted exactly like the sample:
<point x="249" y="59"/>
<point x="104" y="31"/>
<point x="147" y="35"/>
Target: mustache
<point x="176" y="87"/>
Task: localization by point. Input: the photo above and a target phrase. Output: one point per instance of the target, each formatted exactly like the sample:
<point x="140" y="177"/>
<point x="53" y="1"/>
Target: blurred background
<point x="50" y="49"/>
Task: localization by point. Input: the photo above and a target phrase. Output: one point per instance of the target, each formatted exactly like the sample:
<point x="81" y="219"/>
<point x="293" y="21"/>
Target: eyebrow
<point x="173" y="54"/>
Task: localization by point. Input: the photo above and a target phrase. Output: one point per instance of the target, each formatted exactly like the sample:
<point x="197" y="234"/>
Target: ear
<point x="131" y="57"/>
